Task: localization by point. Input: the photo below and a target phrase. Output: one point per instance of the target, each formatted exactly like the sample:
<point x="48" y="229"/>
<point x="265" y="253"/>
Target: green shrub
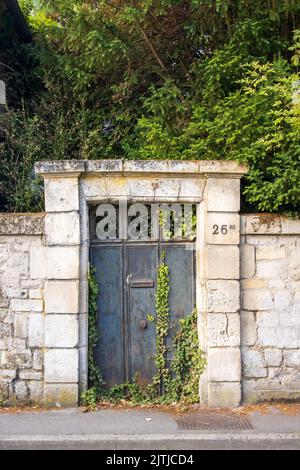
<point x="162" y="79"/>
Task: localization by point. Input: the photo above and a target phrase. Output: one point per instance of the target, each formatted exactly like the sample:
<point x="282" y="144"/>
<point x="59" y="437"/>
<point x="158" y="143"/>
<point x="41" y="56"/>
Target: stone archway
<point x="70" y="186"/>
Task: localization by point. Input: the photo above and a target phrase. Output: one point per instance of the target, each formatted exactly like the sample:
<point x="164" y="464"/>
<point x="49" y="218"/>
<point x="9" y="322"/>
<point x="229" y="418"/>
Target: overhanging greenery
<point x="198" y="79"/>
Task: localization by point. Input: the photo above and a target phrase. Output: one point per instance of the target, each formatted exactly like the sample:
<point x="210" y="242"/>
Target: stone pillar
<point x="221" y="383"/>
<point x="62" y="239"/>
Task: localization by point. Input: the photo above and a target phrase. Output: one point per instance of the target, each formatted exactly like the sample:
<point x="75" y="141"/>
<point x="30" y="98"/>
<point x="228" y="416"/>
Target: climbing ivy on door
<point x="177" y="383"/>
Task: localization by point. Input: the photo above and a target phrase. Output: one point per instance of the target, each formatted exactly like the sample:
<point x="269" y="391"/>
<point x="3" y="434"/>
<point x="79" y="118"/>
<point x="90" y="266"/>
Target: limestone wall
<point x="39" y="304"/>
<point x="21" y="309"/>
<point x="270" y="314"/>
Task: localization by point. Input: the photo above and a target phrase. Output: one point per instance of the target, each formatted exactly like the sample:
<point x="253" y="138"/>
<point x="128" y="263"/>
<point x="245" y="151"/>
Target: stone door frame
<point x="214" y="186"/>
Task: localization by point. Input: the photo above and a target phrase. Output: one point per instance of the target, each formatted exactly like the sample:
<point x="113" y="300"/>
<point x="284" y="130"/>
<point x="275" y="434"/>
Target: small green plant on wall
<point x="92" y="395"/>
<point x="175" y="384"/>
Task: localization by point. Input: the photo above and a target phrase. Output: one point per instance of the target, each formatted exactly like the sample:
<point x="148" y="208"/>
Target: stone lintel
<point x="63" y="168"/>
<point x="203" y="168"/>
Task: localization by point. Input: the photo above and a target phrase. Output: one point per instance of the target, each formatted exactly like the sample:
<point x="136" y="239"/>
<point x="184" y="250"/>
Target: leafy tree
<point x="198" y="79"/>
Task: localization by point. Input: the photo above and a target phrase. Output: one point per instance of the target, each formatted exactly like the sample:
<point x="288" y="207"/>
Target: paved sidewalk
<point x="137" y="429"/>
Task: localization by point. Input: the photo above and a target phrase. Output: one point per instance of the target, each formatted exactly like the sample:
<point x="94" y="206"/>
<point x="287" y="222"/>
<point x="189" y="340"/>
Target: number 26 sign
<point x="223" y="228"/>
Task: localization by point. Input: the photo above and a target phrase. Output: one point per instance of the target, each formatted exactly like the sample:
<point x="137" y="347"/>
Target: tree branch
<point x="153" y="50"/>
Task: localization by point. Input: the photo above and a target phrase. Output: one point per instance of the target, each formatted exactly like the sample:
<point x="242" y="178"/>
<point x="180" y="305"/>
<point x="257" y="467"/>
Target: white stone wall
<point x="270" y="315"/>
<point x="21" y="309"/>
<point x="248" y="283"/>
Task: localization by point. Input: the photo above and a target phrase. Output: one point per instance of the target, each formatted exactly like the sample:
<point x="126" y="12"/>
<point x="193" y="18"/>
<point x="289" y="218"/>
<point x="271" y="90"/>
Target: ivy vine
<point x="189" y="360"/>
<point x="178" y="383"/>
<point x="95" y="380"/>
<point x="162" y="326"/>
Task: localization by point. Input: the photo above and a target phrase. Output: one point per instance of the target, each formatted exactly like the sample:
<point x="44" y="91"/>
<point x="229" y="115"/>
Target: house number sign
<point x="223" y="228"/>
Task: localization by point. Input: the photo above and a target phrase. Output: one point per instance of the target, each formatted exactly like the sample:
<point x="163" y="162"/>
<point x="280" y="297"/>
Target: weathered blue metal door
<point x="126" y="272"/>
<point x="109" y="353"/>
<point x="141" y="279"/>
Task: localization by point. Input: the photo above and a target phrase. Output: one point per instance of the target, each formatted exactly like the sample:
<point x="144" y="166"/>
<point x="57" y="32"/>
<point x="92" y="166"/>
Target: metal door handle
<point x="142" y="283"/>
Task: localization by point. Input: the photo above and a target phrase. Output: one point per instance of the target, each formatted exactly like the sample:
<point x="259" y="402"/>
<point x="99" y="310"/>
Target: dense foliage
<point x="198" y="79"/>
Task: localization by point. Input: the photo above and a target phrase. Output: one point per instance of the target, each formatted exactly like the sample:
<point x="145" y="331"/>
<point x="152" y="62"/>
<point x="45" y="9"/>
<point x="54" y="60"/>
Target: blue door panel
<point x="141" y="272"/>
<point x="181" y="296"/>
<point x="109" y="353"/>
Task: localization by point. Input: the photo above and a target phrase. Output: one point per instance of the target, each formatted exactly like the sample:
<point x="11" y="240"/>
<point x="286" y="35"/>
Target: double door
<point x="126" y="273"/>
